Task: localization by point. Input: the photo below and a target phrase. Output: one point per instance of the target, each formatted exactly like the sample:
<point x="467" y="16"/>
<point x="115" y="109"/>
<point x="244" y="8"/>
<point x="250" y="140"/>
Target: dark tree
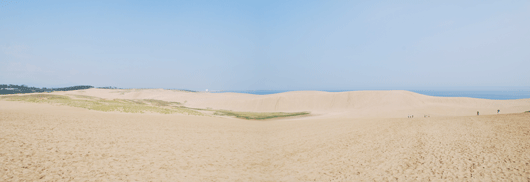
<point x="15" y="89"/>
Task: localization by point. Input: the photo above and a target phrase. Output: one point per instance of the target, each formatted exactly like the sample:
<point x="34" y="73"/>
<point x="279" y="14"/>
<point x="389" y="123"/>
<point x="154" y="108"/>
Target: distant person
<point x="477" y="113"/>
<point x="498" y="111"/>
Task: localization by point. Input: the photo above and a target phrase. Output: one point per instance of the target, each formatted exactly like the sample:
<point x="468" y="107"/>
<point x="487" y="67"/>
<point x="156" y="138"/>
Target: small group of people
<point x="498" y="111"/>
<point x="427" y="116"/>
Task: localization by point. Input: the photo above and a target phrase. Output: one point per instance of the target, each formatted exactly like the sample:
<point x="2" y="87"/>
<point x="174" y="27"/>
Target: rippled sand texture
<point x="40" y="141"/>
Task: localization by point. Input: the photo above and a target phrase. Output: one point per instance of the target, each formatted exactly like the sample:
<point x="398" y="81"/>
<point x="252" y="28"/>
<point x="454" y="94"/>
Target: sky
<point x="261" y="45"/>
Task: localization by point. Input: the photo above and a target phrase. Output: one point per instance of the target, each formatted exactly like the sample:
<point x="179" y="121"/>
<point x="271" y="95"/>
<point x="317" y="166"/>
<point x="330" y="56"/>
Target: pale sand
<point x="355" y="104"/>
<point x="341" y="143"/>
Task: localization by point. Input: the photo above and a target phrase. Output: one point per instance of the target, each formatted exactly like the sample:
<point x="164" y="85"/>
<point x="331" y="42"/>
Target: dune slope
<point x="354" y="104"/>
<point x="47" y="142"/>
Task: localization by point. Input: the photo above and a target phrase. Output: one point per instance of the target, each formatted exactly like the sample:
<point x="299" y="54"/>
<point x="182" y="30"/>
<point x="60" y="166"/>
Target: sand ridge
<point x="47" y="142"/>
<point x="353" y="104"/>
<point x="352" y="136"/>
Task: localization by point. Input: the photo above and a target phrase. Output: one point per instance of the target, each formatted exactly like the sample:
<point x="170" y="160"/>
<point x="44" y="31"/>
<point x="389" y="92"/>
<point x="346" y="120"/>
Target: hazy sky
<point x="242" y="45"/>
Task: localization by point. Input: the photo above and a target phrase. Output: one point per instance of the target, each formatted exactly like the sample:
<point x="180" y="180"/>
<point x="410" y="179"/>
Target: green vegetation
<point x="201" y="109"/>
<point x="84" y="96"/>
<point x="141" y="106"/>
<point x="258" y="115"/>
<point x="120" y="105"/>
<point x="18" y="89"/>
<point x="160" y="102"/>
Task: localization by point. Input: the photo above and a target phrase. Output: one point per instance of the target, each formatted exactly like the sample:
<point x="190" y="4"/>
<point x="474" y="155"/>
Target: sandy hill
<point x="44" y="142"/>
<point x="385" y="104"/>
<point x="351" y="137"/>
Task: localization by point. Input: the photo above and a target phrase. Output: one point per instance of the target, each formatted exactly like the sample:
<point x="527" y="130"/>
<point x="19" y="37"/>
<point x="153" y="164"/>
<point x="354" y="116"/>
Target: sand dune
<point x="354" y="104"/>
<point x="352" y="136"/>
<point x="49" y="143"/>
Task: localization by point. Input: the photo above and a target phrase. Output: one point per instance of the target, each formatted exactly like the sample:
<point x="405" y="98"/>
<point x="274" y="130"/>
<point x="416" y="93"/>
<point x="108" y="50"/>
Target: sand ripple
<point x="61" y="143"/>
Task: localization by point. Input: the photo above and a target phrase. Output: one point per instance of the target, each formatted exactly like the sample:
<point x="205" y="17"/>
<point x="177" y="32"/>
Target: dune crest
<point x="356" y="104"/>
<point x="42" y="142"/>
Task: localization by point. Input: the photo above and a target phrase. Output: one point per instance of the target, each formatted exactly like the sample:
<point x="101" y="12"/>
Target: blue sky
<point x="250" y="45"/>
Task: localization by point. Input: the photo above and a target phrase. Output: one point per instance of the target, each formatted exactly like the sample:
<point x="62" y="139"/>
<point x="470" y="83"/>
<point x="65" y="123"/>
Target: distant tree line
<point x="15" y="89"/>
<point x="185" y="90"/>
<point x="109" y="87"/>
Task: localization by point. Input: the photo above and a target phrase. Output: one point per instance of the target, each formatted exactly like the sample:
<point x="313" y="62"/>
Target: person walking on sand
<point x="498" y="111"/>
<point x="477" y="113"/>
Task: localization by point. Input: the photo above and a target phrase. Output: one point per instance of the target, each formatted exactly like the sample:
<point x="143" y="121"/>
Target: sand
<point x="343" y="142"/>
<point x="355" y="104"/>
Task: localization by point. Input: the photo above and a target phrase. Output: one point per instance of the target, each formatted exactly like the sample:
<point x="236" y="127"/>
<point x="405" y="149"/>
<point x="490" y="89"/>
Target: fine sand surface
<point x="355" y="104"/>
<point x="354" y="136"/>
